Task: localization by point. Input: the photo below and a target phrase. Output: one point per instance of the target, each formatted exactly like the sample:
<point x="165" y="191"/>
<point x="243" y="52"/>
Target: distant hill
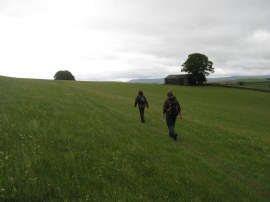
<point x="209" y="80"/>
<point x="159" y="80"/>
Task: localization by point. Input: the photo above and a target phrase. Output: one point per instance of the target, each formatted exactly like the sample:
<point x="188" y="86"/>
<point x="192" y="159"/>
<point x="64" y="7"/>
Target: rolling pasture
<point x="83" y="141"/>
<point x="260" y="84"/>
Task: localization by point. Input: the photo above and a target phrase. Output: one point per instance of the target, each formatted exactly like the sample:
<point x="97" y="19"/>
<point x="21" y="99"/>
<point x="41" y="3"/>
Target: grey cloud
<point x="168" y="31"/>
<point x="175" y="28"/>
<point x="155" y="36"/>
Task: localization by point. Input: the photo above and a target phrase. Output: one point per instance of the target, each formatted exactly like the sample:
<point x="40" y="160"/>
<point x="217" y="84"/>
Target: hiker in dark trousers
<point x="171" y="110"/>
<point x="142" y="103"/>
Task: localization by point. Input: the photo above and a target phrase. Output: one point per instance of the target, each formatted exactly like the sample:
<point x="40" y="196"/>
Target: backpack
<point x="141" y="100"/>
<point x="173" y="108"/>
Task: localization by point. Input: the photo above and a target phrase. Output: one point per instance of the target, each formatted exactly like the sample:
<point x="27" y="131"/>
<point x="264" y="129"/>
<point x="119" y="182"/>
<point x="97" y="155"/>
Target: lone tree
<point x="198" y="66"/>
<point x="63" y="75"/>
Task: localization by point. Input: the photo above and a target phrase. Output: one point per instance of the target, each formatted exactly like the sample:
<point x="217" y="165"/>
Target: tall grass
<point x="83" y="141"/>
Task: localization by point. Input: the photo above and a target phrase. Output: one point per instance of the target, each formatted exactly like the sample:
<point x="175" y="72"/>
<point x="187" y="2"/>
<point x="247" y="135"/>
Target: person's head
<point x="140" y="92"/>
<point x="169" y="94"/>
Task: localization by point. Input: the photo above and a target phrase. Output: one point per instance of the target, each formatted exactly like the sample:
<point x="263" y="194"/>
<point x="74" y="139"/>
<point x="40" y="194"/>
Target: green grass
<point x="83" y="141"/>
<point x="252" y="83"/>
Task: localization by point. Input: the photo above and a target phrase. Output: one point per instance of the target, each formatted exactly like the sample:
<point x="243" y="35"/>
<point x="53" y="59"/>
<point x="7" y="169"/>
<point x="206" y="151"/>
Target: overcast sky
<point x="126" y="39"/>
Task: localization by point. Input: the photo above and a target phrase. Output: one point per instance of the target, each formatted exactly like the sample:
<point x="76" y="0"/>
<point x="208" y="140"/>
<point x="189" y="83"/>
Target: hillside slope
<point x="76" y="141"/>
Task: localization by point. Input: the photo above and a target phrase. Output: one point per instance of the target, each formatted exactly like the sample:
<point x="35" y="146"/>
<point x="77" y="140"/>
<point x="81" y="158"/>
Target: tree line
<point x="197" y="66"/>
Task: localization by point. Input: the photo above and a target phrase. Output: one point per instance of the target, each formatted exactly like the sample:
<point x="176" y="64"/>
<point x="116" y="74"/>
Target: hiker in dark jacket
<point x="142" y="103"/>
<point x="171" y="110"/>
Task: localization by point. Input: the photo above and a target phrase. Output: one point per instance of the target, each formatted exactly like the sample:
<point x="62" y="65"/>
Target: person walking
<point x="171" y="109"/>
<point x="142" y="102"/>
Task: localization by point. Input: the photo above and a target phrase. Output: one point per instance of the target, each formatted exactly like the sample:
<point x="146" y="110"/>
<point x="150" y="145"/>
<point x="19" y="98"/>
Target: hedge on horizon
<point x="64" y="75"/>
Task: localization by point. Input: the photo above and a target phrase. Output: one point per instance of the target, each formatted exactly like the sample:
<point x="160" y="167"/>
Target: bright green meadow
<point x="83" y="141"/>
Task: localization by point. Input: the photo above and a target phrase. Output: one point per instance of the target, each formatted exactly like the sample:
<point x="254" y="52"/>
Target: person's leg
<point x="170" y="125"/>
<point x="173" y="124"/>
<point x="142" y="114"/>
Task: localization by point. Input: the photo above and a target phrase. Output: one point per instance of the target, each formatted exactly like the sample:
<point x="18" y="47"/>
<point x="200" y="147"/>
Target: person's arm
<point x="146" y="102"/>
<point x="136" y="101"/>
<point x="179" y="107"/>
<point x="164" y="109"/>
<point x="180" y="115"/>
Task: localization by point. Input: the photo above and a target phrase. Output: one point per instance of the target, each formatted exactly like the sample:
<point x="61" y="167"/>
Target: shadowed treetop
<point x="63" y="75"/>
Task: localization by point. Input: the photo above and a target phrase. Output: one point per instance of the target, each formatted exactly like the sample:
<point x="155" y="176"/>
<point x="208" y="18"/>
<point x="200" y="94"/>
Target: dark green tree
<point x="63" y="75"/>
<point x="198" y="67"/>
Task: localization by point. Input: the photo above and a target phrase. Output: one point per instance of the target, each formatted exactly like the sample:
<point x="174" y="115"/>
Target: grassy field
<point x="83" y="141"/>
<point x="262" y="84"/>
